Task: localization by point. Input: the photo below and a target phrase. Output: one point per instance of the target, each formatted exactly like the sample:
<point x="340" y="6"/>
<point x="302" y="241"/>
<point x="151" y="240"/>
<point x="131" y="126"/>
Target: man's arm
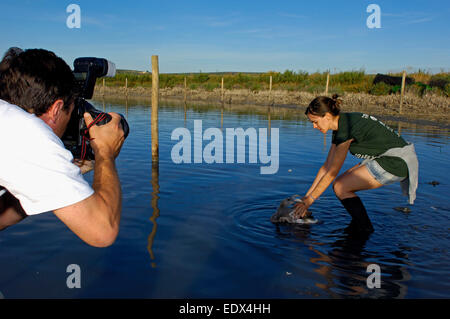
<point x="96" y="219"/>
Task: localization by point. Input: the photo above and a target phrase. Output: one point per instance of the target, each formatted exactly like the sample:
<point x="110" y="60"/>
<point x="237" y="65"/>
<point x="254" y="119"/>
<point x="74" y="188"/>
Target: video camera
<point x="76" y="137"/>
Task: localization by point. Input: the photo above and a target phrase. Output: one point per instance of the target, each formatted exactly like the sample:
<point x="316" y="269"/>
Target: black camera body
<point x="76" y="137"/>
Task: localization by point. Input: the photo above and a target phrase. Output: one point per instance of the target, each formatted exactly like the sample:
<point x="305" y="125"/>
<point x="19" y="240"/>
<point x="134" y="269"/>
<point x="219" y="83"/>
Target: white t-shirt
<point x="34" y="165"/>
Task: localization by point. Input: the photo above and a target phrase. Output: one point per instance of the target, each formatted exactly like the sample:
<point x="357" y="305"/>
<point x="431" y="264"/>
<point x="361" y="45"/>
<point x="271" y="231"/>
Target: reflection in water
<point x="185" y="112"/>
<point x="221" y="116"/>
<point x="344" y="267"/>
<point x="343" y="264"/>
<point x="155" y="198"/>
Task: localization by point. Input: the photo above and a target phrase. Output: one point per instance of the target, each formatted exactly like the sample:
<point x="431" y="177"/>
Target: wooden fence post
<point x="328" y="81"/>
<point x="155" y="100"/>
<point x="222" y="93"/>
<point x="270" y="90"/>
<point x="185" y="90"/>
<point x="402" y="91"/>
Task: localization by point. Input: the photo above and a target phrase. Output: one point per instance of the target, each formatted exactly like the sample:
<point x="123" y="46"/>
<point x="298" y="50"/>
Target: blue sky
<point x="246" y="36"/>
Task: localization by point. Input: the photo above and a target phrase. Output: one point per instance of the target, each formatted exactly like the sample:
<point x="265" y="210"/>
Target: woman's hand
<point x="301" y="209"/>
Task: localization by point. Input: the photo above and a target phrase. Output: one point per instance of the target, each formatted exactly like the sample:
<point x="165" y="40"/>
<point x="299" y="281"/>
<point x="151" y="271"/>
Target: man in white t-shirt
<point x="37" y="173"/>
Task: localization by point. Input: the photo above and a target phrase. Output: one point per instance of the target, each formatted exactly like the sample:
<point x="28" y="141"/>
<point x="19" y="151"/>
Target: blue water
<point x="203" y="230"/>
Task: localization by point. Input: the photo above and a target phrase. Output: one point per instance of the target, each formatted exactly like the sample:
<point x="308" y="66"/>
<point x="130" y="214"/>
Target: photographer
<point x="37" y="173"/>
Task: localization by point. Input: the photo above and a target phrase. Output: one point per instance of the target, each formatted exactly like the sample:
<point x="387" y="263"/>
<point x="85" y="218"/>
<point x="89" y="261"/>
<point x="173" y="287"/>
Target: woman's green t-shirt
<point x="371" y="138"/>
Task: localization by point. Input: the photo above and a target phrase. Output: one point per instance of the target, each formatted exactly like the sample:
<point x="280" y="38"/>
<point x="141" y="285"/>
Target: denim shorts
<point x="382" y="176"/>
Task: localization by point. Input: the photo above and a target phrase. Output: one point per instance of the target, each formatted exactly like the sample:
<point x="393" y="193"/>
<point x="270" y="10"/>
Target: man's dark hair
<point x="35" y="79"/>
<point x="8" y="57"/>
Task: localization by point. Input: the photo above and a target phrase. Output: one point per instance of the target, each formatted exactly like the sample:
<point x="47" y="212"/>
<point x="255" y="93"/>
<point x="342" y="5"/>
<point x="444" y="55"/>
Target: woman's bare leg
<point x="355" y="179"/>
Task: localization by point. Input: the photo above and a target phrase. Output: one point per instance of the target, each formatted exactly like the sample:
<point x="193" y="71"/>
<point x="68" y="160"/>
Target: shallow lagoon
<point x="203" y="230"/>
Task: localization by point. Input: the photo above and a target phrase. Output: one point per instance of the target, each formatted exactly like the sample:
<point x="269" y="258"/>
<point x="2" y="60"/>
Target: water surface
<point x="203" y="230"/>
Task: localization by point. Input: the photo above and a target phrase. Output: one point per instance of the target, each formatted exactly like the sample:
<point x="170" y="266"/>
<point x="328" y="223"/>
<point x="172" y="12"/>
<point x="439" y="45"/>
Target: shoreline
<point x="429" y="109"/>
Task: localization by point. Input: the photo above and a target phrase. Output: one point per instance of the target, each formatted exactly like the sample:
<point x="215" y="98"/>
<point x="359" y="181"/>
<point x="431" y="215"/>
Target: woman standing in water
<point x="388" y="158"/>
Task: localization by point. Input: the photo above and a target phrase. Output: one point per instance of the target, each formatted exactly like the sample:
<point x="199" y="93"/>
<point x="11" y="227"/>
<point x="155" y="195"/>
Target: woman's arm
<point x="337" y="160"/>
<point x="323" y="170"/>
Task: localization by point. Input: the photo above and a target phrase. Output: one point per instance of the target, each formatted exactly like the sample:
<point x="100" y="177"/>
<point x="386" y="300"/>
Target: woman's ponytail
<point x="335" y="105"/>
<point x="323" y="104"/>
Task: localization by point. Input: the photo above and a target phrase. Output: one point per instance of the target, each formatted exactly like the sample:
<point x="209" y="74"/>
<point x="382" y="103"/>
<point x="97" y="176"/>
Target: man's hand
<point x="107" y="139"/>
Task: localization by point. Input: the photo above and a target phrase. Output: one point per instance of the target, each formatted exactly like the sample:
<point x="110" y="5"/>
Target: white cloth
<point x="408" y="154"/>
<point x="34" y="165"/>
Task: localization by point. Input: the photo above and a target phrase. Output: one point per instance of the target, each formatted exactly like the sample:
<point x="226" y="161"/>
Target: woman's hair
<point x="34" y="79"/>
<point x="323" y="104"/>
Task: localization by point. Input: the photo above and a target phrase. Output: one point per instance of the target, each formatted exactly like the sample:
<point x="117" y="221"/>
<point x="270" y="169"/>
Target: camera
<point x="76" y="137"/>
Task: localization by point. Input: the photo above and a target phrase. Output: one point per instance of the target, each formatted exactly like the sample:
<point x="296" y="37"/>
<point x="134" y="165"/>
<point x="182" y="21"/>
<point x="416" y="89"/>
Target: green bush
<point x="211" y="86"/>
<point x="380" y="88"/>
<point x="201" y="77"/>
<point x="255" y="87"/>
<point x="242" y="79"/>
<point x="316" y="89"/>
<point x="420" y="88"/>
<point x="352" y="77"/>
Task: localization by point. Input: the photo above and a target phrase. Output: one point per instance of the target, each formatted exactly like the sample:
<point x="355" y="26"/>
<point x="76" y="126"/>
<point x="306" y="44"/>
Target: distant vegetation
<point x="350" y="81"/>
